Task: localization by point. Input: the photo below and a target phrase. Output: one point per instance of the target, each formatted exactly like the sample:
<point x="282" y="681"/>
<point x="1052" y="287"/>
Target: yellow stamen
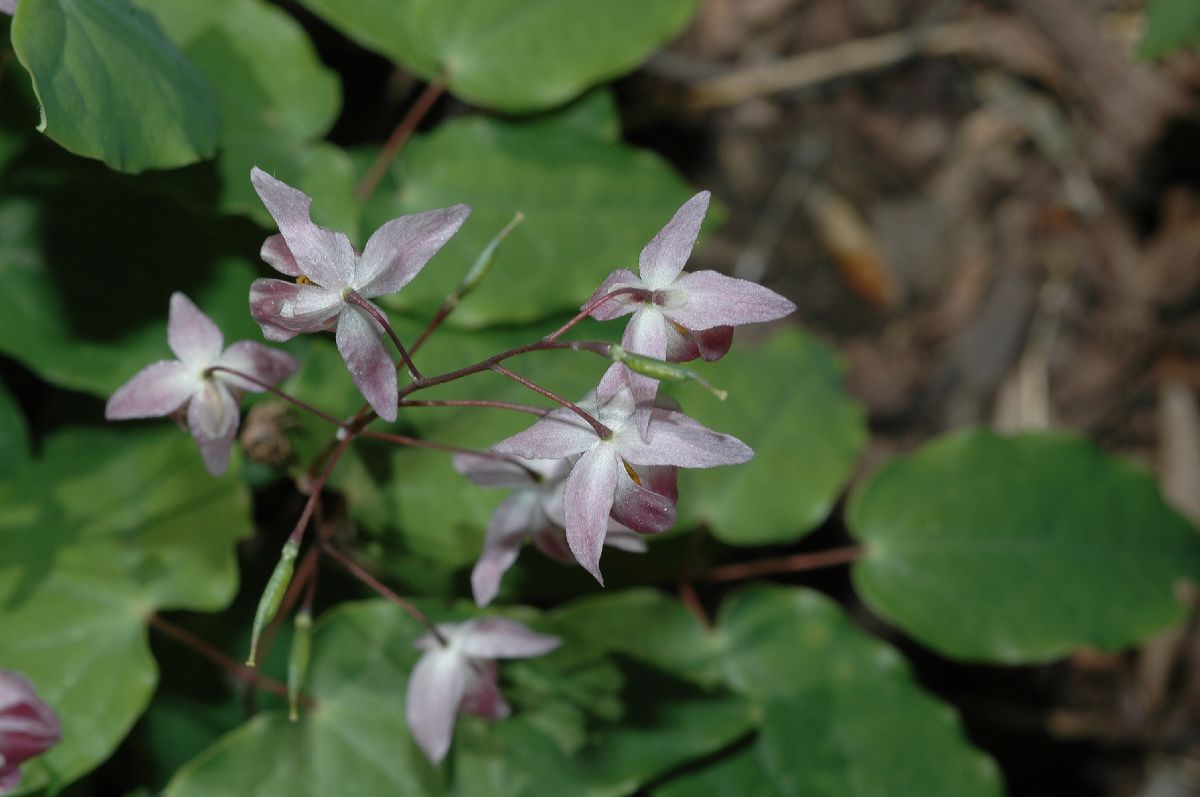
<point x="303" y="280"/>
<point x="633" y="474"/>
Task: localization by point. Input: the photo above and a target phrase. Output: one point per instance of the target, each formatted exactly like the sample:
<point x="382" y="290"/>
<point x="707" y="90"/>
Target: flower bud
<point x="28" y="727"/>
<point x="272" y="596"/>
<point x="661" y="370"/>
<point x="298" y="661"/>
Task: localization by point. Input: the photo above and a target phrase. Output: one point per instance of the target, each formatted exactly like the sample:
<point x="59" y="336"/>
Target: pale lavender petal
<point x="645" y="335"/>
<point x="158" y="389"/>
<point x="615" y="411"/>
<point x="254" y="359"/>
<point x="28" y="727"/>
<point x="191" y="334"/>
<point x="517" y="516"/>
<point x="714" y="343"/>
<point x="213" y="421"/>
<point x="560" y="434"/>
<point x="615" y="379"/>
<point x="10" y="776"/>
<point x="435" y="691"/>
<point x="402" y="247"/>
<point x="587" y="499"/>
<point x="618" y="305"/>
<point x="495" y="471"/>
<point x="8" y="7"/>
<point x="676" y="439"/>
<point x="500" y="638"/>
<point x="664" y="257"/>
<point x="275" y="253"/>
<point x="711" y="299"/>
<point x="324" y="256"/>
<point x="482" y="696"/>
<point x="552" y="541"/>
<point x="366" y="357"/>
<point x="682" y="345"/>
<point x="624" y="539"/>
<point x="648" y="507"/>
<point x="285" y="309"/>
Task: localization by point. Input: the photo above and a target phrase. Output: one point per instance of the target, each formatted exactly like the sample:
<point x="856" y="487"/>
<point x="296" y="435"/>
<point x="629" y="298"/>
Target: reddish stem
<point x="398" y="138"/>
<point x="784" y="564"/>
<point x="356" y="570"/>
<point x="499" y="405"/>
<point x="354" y="298"/>
<point x="590" y="307"/>
<point x="297" y="534"/>
<point x="601" y="430"/>
<point x="417" y="442"/>
<point x="277" y="392"/>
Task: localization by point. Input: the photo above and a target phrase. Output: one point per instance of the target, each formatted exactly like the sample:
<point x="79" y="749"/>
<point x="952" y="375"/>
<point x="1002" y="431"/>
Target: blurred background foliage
<point x="987" y="213"/>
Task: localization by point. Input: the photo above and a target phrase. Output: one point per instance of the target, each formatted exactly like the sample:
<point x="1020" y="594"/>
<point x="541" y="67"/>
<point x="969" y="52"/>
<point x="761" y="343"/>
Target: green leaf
<point x="512" y="55"/>
<point x="106" y="528"/>
<point x="590" y="205"/>
<point x="355" y="740"/>
<point x="740" y="774"/>
<point x="277" y="101"/>
<point x="14" y="434"/>
<point x="90" y="324"/>
<point x="1170" y="25"/>
<point x="112" y="87"/>
<point x="1020" y="549"/>
<point x="786" y="401"/>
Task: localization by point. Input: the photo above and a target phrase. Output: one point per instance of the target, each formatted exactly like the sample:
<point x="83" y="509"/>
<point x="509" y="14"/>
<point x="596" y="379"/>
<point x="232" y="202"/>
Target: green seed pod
<point x="298" y="661"/>
<point x="272" y="596"/>
<point x="661" y="370"/>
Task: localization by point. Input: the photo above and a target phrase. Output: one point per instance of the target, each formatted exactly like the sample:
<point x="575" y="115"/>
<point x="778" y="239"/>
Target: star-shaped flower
<point x="210" y="397"/>
<point x="327" y="268"/>
<point x="28" y="727"/>
<point x="462" y="676"/>
<point x="535" y="510"/>
<point x="608" y="475"/>
<point x="678" y="315"/>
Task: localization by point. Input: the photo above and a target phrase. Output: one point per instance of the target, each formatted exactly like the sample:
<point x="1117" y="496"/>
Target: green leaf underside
<point x="105" y="528"/>
<point x="590" y="205"/>
<point x="355" y="741"/>
<point x="1170" y="25"/>
<point x="786" y="401"/>
<point x="277" y="101"/>
<point x="511" y="55"/>
<point x="1020" y="549"/>
<point x="842" y="714"/>
<point x="14" y="434"/>
<point x="112" y="86"/>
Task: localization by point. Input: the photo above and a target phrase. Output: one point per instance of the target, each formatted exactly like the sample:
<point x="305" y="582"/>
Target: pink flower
<point x="210" y="397"/>
<point x="327" y="268"/>
<point x="535" y="510"/>
<point x="610" y="474"/>
<point x="28" y="727"/>
<point x="461" y="676"/>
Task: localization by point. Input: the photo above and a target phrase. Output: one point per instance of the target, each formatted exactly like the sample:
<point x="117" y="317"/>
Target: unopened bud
<point x="298" y="661"/>
<point x="661" y="369"/>
<point x="272" y="596"/>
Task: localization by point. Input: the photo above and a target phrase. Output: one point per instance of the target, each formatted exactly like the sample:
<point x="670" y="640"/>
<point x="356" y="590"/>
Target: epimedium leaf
<point x="277" y="101"/>
<point x="1170" y="25"/>
<point x="787" y="402"/>
<point x="1020" y="549"/>
<point x="14" y="434"/>
<point x="355" y="741"/>
<point x="112" y="86"/>
<point x="589" y="204"/>
<point x="54" y="319"/>
<point x="105" y="528"/>
<point x="511" y="55"/>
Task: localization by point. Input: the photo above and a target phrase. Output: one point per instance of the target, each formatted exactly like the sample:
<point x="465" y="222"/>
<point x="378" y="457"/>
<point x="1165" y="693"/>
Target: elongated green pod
<point x="298" y="661"/>
<point x="662" y="370"/>
<point x="272" y="596"/>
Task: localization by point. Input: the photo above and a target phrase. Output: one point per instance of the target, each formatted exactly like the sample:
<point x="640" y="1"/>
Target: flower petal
<point x="559" y="434"/>
<point x="624" y="539"/>
<point x="648" y="507"/>
<point x="366" y="357"/>
<point x="500" y="638"/>
<point x="618" y="305"/>
<point x="517" y="516"/>
<point x="285" y="309"/>
<point x="711" y="300"/>
<point x="28" y="727"/>
<point x="714" y="343"/>
<point x="497" y="471"/>
<point x="213" y="421"/>
<point x="402" y="247"/>
<point x="664" y="257"/>
<point x="647" y="334"/>
<point x="324" y="256"/>
<point x="254" y="359"/>
<point x="552" y="542"/>
<point x="482" y="697"/>
<point x="158" y="389"/>
<point x="676" y="439"/>
<point x="587" y="499"/>
<point x="435" y="690"/>
<point x="275" y="253"/>
<point x="191" y="334"/>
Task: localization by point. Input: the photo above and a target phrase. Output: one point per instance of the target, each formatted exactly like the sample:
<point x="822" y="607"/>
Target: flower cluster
<point x="28" y="727"/>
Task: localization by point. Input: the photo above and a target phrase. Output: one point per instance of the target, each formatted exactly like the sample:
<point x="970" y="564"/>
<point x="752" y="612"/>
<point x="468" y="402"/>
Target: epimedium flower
<point x="534" y="510"/>
<point x="329" y="272"/>
<point x="28" y="727"/>
<point x="610" y="475"/>
<point x="210" y="397"/>
<point x="461" y="675"/>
